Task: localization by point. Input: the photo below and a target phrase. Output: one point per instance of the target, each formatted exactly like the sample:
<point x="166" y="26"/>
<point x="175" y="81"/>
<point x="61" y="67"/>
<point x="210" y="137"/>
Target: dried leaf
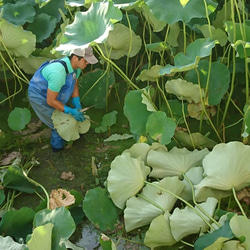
<point x="12" y="156"/>
<point x="244" y="195"/>
<point x="60" y="198"/>
<point x="67" y="176"/>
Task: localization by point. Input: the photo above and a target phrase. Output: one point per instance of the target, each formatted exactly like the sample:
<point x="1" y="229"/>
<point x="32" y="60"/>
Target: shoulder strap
<point x="63" y="63"/>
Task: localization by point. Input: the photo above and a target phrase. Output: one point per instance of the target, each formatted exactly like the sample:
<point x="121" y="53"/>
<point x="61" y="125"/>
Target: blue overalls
<point x="37" y="92"/>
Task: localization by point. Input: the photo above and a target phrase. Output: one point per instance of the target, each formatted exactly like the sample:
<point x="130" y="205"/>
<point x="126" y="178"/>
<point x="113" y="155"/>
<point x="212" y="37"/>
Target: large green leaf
<point x="219" y="79"/>
<point x="94" y="88"/>
<point x="18" y="118"/>
<point x="15" y="179"/>
<point x="208" y="239"/>
<point x="18" y="41"/>
<point x="179" y="10"/>
<point x="17" y="223"/>
<point x="90" y="26"/>
<point x="41" y="238"/>
<point x="64" y="225"/>
<point x="182" y="62"/>
<point x="42" y="20"/>
<point x="136" y="112"/>
<point x="100" y="209"/>
<point x="19" y="13"/>
<point x="160" y="127"/>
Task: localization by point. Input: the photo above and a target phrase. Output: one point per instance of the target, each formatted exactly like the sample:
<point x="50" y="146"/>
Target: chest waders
<point x="37" y="92"/>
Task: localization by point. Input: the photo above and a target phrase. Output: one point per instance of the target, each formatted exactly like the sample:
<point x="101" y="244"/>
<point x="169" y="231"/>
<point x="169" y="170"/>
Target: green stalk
<point x="38" y="185"/>
<point x="151" y="202"/>
<point x="197" y="205"/>
<point x="236" y="199"/>
<point x="181" y="199"/>
<point x="130" y="42"/>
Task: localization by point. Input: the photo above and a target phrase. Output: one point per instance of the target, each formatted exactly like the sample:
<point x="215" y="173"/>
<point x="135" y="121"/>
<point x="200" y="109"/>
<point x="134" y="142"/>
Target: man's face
<point x="82" y="63"/>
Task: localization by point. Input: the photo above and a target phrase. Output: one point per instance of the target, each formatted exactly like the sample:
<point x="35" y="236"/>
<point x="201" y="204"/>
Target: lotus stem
<point x="181" y="199"/>
<point x="236" y="199"/>
<point x="186" y="243"/>
<point x="196" y="204"/>
<point x="38" y="185"/>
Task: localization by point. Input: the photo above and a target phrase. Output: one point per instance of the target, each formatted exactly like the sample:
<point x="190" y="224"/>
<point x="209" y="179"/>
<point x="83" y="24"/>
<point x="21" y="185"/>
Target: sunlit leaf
<point x="105" y="215"/>
<point x="121" y="42"/>
<point x="241" y="228"/>
<point x="19" y="42"/>
<point x="175" y="162"/>
<point x="90" y="26"/>
<point x="147" y="99"/>
<point x="151" y="202"/>
<point x="195" y="51"/>
<point x="41" y="237"/>
<point x="184" y="90"/>
<point x="184" y="222"/>
<point x="68" y="127"/>
<point x="234" y="161"/>
<point x="128" y="174"/>
<point x="64" y="225"/>
<point x="151" y="74"/>
<point x="159" y="232"/>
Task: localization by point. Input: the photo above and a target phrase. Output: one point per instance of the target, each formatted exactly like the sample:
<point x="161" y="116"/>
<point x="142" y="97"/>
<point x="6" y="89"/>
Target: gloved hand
<point x="76" y="102"/>
<point x="75" y="113"/>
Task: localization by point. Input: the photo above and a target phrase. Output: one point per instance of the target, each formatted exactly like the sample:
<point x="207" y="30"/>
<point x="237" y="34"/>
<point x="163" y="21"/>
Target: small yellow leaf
<point x="60" y="198"/>
<point x="184" y="2"/>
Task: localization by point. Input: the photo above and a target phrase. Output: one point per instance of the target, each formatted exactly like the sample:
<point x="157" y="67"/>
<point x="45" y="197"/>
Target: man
<point x="53" y="84"/>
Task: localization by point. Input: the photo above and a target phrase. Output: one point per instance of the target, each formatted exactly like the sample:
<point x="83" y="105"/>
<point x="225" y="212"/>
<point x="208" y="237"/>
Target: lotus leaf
<point x="91" y="26"/>
<point x="194" y="140"/>
<point x="18" y="41"/>
<point x="176" y="162"/>
<point x="233" y="159"/>
<point x="140" y="211"/>
<point x="25" y="10"/>
<point x="139" y="150"/>
<point x="159" y="232"/>
<point x="8" y="243"/>
<point x="241" y="228"/>
<point x="64" y="225"/>
<point x="195" y="110"/>
<point x="195" y="175"/>
<point x="183" y="62"/>
<point x="67" y="127"/>
<point x="160" y="127"/>
<point x="184" y="90"/>
<point x="41" y="237"/>
<point x="121" y="42"/>
<point x="181" y="10"/>
<point x="151" y="74"/>
<point x="128" y="174"/>
<point x="184" y="222"/>
<point x="233" y="245"/>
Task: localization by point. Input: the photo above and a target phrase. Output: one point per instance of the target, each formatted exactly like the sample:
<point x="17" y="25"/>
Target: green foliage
<point x="22" y="115"/>
<point x="105" y="215"/>
<point x="108" y="120"/>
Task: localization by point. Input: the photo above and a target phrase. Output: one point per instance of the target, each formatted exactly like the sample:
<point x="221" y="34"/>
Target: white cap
<point x="86" y="53"/>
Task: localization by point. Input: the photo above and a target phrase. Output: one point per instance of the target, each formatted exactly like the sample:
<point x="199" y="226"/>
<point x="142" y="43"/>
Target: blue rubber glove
<point x="76" y="102"/>
<point x="75" y="113"/>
